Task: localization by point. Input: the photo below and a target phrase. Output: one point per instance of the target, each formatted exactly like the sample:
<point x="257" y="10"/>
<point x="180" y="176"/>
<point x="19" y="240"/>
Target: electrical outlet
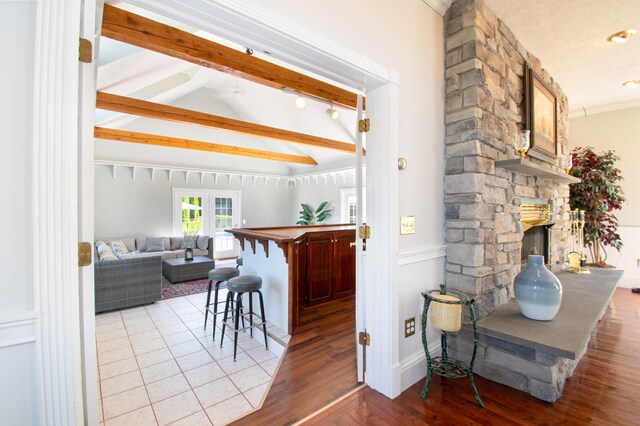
<point x="409" y="327"/>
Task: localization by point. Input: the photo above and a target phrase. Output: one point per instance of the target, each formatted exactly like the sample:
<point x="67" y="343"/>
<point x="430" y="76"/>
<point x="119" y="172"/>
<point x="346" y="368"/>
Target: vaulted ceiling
<point x="145" y="75"/>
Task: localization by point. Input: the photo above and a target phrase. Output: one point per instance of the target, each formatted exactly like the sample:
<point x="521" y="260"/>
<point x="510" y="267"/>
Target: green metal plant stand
<point x="443" y="365"/>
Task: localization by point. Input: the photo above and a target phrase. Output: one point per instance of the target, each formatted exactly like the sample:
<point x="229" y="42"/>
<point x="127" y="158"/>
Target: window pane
<point x="191" y="215"/>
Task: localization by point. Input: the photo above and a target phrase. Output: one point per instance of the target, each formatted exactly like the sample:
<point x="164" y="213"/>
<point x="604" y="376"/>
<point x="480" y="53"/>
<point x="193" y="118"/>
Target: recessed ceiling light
<point x="621" y="36"/>
<point x="631" y="83"/>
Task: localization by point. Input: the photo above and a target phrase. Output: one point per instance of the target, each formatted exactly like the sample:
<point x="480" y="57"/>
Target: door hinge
<point x="364" y="232"/>
<point x="86" y="51"/>
<point x="364" y="338"/>
<point x="84" y="254"/>
<point x="364" y="125"/>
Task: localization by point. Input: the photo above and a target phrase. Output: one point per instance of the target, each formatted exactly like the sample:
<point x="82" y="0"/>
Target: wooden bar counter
<point x="300" y="266"/>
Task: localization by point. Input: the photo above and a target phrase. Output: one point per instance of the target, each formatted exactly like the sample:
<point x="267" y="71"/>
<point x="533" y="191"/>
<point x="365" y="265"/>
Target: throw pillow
<point x="203" y="242"/>
<point x="189" y="241"/>
<point x="155" y="244"/>
<point x="119" y="248"/>
<point x="105" y="253"/>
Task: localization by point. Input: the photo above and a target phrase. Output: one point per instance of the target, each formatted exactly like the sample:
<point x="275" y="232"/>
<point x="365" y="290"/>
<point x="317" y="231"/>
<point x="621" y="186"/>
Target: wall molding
<point x="227" y="176"/>
<point x="421" y="255"/>
<point x="599" y="109"/>
<point x="440" y="6"/>
<point x="414" y="367"/>
<point x="18" y="329"/>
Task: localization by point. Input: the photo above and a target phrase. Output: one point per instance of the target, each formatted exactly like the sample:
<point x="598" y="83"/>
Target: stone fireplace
<point x="489" y="190"/>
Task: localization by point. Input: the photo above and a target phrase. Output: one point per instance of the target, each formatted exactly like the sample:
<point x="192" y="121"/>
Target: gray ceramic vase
<point x="538" y="290"/>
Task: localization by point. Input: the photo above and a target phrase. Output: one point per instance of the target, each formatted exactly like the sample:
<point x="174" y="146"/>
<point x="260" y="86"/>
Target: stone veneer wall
<point x="484" y="113"/>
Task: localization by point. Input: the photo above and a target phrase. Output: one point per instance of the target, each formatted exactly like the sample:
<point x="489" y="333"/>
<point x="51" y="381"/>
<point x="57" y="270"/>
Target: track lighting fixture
<point x="333" y="113"/>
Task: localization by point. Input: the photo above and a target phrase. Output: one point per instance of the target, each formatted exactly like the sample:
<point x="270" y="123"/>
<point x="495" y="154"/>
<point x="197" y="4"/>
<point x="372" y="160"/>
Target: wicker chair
<point x="130" y="282"/>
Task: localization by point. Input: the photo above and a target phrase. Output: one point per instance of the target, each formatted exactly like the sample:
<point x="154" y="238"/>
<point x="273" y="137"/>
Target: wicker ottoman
<point x="179" y="270"/>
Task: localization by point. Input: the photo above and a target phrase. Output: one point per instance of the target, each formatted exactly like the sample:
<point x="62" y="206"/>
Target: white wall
<point x="124" y="207"/>
<point x="406" y="36"/>
<point x="19" y="395"/>
<point x="619" y="131"/>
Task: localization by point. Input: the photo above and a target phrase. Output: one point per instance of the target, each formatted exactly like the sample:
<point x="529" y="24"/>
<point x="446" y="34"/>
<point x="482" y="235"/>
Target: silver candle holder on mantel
<point x="577" y="258"/>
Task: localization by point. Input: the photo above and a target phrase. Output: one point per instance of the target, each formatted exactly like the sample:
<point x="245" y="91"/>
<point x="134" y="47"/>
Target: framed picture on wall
<point x="541" y="107"/>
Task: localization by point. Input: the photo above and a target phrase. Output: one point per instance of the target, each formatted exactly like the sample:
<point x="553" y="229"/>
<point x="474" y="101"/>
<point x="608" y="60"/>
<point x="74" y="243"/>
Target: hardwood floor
<point x="604" y="390"/>
<point x="318" y="367"/>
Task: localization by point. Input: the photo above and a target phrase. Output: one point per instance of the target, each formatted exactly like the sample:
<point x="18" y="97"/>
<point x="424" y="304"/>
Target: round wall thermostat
<point x="402" y="163"/>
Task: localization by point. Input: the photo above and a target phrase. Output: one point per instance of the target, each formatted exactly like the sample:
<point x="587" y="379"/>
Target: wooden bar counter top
<point x="319" y="266"/>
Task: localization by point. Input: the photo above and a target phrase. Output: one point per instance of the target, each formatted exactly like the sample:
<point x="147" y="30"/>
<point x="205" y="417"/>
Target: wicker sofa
<point x="136" y="278"/>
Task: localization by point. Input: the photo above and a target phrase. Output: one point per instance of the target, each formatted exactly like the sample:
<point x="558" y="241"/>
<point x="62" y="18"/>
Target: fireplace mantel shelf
<point x="532" y="169"/>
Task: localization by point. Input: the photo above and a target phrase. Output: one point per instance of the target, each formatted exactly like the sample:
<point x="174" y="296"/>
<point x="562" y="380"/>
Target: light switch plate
<point x="407" y="225"/>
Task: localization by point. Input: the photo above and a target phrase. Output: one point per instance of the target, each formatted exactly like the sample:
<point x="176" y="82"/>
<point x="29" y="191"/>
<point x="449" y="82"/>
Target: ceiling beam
<point x="149" y="139"/>
<point x="127" y="27"/>
<point x="148" y="109"/>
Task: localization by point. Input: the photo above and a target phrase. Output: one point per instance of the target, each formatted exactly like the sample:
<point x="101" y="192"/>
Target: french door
<point x="208" y="212"/>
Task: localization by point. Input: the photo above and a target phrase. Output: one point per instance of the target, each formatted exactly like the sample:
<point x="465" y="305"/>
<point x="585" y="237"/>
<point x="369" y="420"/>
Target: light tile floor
<point x="158" y="366"/>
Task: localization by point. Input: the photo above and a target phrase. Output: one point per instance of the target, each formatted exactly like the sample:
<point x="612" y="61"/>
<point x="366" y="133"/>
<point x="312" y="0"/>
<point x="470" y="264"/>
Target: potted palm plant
<point x="309" y="216"/>
<point x="598" y="194"/>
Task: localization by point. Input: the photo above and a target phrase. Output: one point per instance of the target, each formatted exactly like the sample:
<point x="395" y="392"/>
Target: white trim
<point x="440" y="6"/>
<point x="421" y="255"/>
<point x="414" y="367"/>
<point x="55" y="211"/>
<point x="599" y="109"/>
<point x="229" y="173"/>
<point x="18" y="329"/>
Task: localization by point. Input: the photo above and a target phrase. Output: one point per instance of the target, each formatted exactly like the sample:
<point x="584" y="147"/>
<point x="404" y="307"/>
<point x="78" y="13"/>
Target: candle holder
<point x="446" y="317"/>
<point x="522" y="142"/>
<point x="567" y="163"/>
<point x="577" y="259"/>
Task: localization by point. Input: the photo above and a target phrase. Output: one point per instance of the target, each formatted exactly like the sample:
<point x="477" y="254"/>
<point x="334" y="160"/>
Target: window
<point x="349" y="205"/>
<point x="208" y="212"/>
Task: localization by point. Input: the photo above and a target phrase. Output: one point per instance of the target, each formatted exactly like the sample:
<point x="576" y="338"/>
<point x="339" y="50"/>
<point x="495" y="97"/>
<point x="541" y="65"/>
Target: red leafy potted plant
<point x="598" y="195"/>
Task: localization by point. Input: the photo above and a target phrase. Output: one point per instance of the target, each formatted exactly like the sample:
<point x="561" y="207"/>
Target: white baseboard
<point x="414" y="367"/>
<point x="18" y="329"/>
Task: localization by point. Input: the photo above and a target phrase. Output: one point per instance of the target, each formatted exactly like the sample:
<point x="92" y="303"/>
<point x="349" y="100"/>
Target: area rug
<point x="186" y="288"/>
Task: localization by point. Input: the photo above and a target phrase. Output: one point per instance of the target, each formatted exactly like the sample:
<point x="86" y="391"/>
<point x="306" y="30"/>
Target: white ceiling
<point x="570" y="39"/>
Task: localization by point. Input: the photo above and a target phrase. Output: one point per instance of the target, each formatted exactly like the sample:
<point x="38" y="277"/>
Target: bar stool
<point x="219" y="275"/>
<point x="239" y="285"/>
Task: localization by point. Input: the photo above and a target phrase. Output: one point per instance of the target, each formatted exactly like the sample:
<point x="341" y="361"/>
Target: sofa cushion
<point x="203" y="242"/>
<point x="198" y="252"/>
<point x="189" y="241"/>
<point x="141" y="244"/>
<point x="104" y="252"/>
<point x="176" y="242"/>
<point x="137" y="254"/>
<point x="155" y="244"/>
<point x="129" y="243"/>
<point x="169" y="255"/>
<point x="119" y="248"/>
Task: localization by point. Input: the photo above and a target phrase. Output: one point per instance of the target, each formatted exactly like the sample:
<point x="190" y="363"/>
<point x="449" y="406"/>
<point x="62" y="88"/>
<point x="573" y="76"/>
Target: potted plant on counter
<point x="309" y="216"/>
<point x="598" y="194"/>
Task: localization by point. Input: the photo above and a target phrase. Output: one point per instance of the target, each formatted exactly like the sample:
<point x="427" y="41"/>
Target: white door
<point x="226" y="215"/>
<point x="361" y="325"/>
<point x="91" y="16"/>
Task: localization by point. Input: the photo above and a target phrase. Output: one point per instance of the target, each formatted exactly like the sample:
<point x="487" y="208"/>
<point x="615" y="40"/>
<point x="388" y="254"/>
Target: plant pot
<point x="538" y="290"/>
